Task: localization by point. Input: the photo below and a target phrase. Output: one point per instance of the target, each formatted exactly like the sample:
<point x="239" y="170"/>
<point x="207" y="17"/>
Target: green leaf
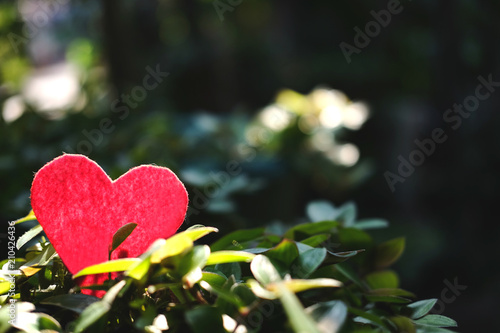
<point x="192" y="277"/>
<point x="140" y="269"/>
<point x="286" y="252"/>
<point x="316" y="240"/>
<point x="232" y="240"/>
<point x="351" y="275"/>
<point x="244" y="293"/>
<point x="346" y="214"/>
<point x="73" y="302"/>
<point x="320" y="210"/>
<point x="351" y="238"/>
<point x="226" y="295"/>
<point x="432" y="329"/>
<point x="391" y="292"/>
<point x="4" y="287"/>
<point x="329" y="316"/>
<point x="299" y="320"/>
<point x="370" y="317"/>
<point x="35" y="322"/>
<point x="122" y="234"/>
<point x="117" y="265"/>
<point x="205" y="318"/>
<point x="213" y="279"/>
<point x="90" y="315"/>
<point x="28" y="235"/>
<point x="403" y="324"/>
<point x="382" y="279"/>
<point x="190" y="266"/>
<point x="30" y="217"/>
<point x="421" y="308"/>
<point x="308" y="262"/>
<point x="338" y="257"/>
<point x="387" y="253"/>
<point x="198" y="231"/>
<point x="229" y="269"/>
<point x="260" y="291"/>
<point x="33" y="266"/>
<point x="173" y="246"/>
<point x="221" y="257"/>
<point x="263" y="270"/>
<point x="370" y="224"/>
<point x="436" y="320"/>
<point x="305" y="230"/>
<point x="387" y="299"/>
<point x="298" y="285"/>
<point x="116" y="290"/>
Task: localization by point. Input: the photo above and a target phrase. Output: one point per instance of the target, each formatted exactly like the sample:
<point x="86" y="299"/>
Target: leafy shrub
<point x="327" y="275"/>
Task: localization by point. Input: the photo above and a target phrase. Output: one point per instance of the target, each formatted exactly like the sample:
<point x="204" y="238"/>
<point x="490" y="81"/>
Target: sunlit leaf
<point x="4" y="287"/>
<point x="260" y="291"/>
<point x="263" y="270"/>
<point x="173" y="246"/>
<point x="28" y="235"/>
<point x="298" y="318"/>
<point x="192" y="277"/>
<point x="221" y="257"/>
<point x="198" y="231"/>
<point x="298" y="285"/>
<point x="30" y="217"/>
<point x="140" y="269"/>
<point x="117" y="265"/>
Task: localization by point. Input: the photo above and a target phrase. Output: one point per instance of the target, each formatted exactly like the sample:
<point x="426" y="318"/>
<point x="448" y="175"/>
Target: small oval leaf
<point x="122" y="234"/>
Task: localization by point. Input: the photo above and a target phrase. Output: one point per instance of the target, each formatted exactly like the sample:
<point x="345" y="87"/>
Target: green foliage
<point x="246" y="281"/>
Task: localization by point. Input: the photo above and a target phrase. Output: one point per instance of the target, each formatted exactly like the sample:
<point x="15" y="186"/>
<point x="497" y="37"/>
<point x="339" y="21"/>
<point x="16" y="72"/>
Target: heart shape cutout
<point x="80" y="208"/>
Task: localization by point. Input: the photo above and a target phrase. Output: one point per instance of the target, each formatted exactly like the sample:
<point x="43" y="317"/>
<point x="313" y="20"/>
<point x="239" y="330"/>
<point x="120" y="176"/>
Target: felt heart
<point x="80" y="208"/>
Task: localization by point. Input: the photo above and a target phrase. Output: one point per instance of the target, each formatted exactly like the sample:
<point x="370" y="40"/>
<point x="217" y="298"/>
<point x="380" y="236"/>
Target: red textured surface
<point x="80" y="208"/>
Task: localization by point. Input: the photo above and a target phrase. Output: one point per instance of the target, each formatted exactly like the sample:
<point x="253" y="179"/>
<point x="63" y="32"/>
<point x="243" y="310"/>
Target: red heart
<point x="80" y="208"/>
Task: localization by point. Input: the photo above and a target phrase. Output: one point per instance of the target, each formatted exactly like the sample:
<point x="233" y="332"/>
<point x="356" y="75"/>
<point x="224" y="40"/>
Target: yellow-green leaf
<point x="173" y="246"/>
<point x="117" y="265"/>
<point x="298" y="285"/>
<point x="222" y="257"/>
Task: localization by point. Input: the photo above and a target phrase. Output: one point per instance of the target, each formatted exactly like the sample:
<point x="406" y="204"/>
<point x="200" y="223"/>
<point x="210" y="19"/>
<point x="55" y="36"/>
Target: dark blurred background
<point x="292" y="96"/>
